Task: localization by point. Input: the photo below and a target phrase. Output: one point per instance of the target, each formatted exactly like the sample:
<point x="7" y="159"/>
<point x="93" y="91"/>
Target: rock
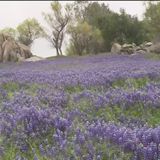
<point x="141" y="51"/>
<point x="134" y="54"/>
<point x="2" y="39"/>
<point x="10" y="50"/>
<point x="141" y="46"/>
<point x="138" y="48"/>
<point x="133" y="44"/>
<point x="156" y="39"/>
<point x="148" y="44"/>
<point x="25" y="51"/>
<point x="20" y="58"/>
<point x="116" y="48"/>
<point x="155" y="48"/>
<point x="127" y="46"/>
<point x="34" y="59"/>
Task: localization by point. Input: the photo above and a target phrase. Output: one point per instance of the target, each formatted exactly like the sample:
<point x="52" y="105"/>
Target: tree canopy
<point x="151" y="20"/>
<point x="85" y="39"/>
<point x="9" y="31"/>
<point x="28" y="31"/>
<point x="115" y="27"/>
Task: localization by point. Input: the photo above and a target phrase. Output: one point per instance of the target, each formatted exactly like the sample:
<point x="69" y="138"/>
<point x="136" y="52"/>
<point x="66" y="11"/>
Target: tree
<point x="121" y="28"/>
<point x="79" y="9"/>
<point x="152" y="16"/>
<point x="132" y="29"/>
<point x="28" y="31"/>
<point x="9" y="31"/>
<point x="99" y="16"/>
<point x="110" y="26"/>
<point x="85" y="39"/>
<point x="95" y="12"/>
<point x="57" y="22"/>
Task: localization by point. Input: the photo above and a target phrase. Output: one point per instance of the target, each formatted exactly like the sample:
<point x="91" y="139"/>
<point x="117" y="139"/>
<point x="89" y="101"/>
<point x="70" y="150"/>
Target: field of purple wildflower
<point x="81" y="108"/>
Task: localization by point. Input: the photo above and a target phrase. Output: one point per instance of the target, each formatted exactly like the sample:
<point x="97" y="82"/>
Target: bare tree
<point x="57" y="22"/>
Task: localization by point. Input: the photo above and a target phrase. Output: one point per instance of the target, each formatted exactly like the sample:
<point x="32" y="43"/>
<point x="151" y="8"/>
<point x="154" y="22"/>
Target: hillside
<point x="74" y="107"/>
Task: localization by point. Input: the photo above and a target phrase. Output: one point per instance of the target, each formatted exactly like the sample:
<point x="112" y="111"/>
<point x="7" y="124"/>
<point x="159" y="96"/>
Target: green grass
<point x="72" y="89"/>
<point x="11" y="88"/>
<point x="134" y="83"/>
<point x="153" y="56"/>
<point x="54" y="57"/>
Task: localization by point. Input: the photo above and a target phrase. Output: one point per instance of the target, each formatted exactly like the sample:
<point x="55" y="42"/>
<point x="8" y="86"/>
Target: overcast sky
<point x="14" y="12"/>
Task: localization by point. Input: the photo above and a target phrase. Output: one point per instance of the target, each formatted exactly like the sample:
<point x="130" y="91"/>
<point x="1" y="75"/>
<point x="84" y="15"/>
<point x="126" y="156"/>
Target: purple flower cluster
<point x="57" y="120"/>
<point x="88" y="71"/>
<point x="143" y="142"/>
<point x="149" y="96"/>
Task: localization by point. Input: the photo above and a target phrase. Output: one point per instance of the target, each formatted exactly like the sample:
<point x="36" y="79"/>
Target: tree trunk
<point x="1" y="54"/>
<point x="57" y="50"/>
<point x="60" y="51"/>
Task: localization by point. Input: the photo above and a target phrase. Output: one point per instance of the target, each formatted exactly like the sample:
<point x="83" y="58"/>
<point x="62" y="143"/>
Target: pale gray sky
<point x="14" y="12"/>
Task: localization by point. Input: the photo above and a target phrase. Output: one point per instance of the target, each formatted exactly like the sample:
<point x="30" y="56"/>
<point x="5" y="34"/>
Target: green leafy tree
<point x="79" y="9"/>
<point x="130" y="29"/>
<point x="85" y="39"/>
<point x="122" y="28"/>
<point x="28" y="31"/>
<point x="57" y="21"/>
<point x="95" y="13"/>
<point x="9" y="31"/>
<point x="99" y="16"/>
<point x="151" y="20"/>
<point x="111" y="27"/>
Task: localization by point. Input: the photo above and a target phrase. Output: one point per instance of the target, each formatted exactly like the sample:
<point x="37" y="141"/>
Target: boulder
<point x="148" y="44"/>
<point x="155" y="48"/>
<point x="138" y="48"/>
<point x="2" y="40"/>
<point x="133" y="45"/>
<point x="1" y="54"/>
<point x="116" y="48"/>
<point x="34" y="59"/>
<point x="10" y="50"/>
<point x="25" y="51"/>
<point x="20" y="58"/>
<point x="128" y="48"/>
<point x="156" y="39"/>
<point x="141" y="51"/>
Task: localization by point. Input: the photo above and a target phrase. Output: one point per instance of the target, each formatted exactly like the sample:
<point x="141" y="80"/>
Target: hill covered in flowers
<point x="80" y="108"/>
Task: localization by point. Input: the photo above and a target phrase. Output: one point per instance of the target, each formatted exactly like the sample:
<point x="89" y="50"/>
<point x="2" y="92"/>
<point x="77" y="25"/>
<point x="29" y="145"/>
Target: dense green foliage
<point x="114" y="27"/>
<point x="84" y="39"/>
<point x="151" y="20"/>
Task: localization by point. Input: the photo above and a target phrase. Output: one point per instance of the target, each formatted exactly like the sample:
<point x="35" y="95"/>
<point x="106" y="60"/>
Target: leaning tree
<point x="57" y="21"/>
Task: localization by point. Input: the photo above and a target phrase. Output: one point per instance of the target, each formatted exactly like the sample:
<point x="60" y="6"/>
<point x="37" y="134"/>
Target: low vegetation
<point x="81" y="108"/>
